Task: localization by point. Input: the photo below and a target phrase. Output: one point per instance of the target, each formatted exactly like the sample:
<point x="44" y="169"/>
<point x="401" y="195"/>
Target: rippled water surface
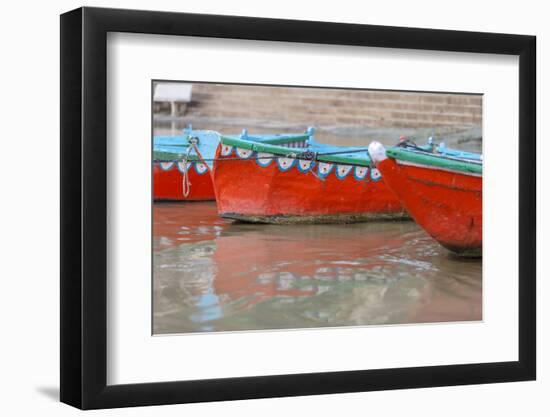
<point x="211" y="274"/>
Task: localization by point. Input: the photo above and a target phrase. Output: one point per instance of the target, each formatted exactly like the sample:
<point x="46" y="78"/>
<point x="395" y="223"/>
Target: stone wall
<point x="334" y="112"/>
<point x="334" y="106"/>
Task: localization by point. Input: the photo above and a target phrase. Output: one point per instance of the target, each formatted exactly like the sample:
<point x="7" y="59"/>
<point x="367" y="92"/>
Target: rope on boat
<point x="186" y="185"/>
<point x="195" y="147"/>
<point x="307" y="155"/>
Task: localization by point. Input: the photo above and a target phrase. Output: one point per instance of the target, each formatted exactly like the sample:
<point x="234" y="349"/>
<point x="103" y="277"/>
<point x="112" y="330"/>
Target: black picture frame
<point x="84" y="207"/>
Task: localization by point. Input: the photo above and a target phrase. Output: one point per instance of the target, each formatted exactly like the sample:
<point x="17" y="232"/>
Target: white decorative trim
<point x="375" y="174"/>
<point x="343" y="170"/>
<point x="361" y="172"/>
<point x="304" y="165"/>
<point x="325" y="168"/>
<point x="264" y="159"/>
<point x="226" y="150"/>
<point x="201" y="167"/>
<point x="244" y="153"/>
<point x="285" y="163"/>
<point x="165" y="166"/>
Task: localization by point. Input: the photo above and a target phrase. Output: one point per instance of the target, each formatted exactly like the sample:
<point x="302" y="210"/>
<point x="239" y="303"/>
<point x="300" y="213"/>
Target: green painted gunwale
<point x="172" y="156"/>
<point x="285" y="139"/>
<point x="432" y="160"/>
<point x="277" y="149"/>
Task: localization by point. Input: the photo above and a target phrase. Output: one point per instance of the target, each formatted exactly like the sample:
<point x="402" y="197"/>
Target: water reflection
<point x="213" y="275"/>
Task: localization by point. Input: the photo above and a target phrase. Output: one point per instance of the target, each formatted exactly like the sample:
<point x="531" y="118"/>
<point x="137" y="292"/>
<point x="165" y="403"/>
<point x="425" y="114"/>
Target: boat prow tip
<point x="377" y="151"/>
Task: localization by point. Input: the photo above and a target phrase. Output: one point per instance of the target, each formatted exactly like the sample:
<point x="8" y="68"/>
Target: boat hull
<point x="169" y="182"/>
<point x="270" y="189"/>
<point x="447" y="204"/>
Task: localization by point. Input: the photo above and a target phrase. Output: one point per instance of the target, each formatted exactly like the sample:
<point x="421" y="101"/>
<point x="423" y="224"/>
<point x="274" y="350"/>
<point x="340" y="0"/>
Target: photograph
<point x="296" y="207"/>
<point x="256" y="206"/>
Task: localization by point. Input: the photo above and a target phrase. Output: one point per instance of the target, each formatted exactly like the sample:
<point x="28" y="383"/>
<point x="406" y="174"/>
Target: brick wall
<point x="316" y="106"/>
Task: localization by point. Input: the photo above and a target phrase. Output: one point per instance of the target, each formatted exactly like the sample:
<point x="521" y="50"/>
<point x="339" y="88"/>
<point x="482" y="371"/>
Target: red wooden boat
<point x="441" y="190"/>
<point x="293" y="179"/>
<point x="182" y="164"/>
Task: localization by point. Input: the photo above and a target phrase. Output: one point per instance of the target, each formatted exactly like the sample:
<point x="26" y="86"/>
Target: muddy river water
<point x="211" y="274"/>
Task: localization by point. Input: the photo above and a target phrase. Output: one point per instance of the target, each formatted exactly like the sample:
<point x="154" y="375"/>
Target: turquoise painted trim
<point x="442" y="149"/>
<point x="174" y="148"/>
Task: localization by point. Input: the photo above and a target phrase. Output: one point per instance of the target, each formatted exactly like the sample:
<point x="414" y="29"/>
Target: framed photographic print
<point x="257" y="208"/>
